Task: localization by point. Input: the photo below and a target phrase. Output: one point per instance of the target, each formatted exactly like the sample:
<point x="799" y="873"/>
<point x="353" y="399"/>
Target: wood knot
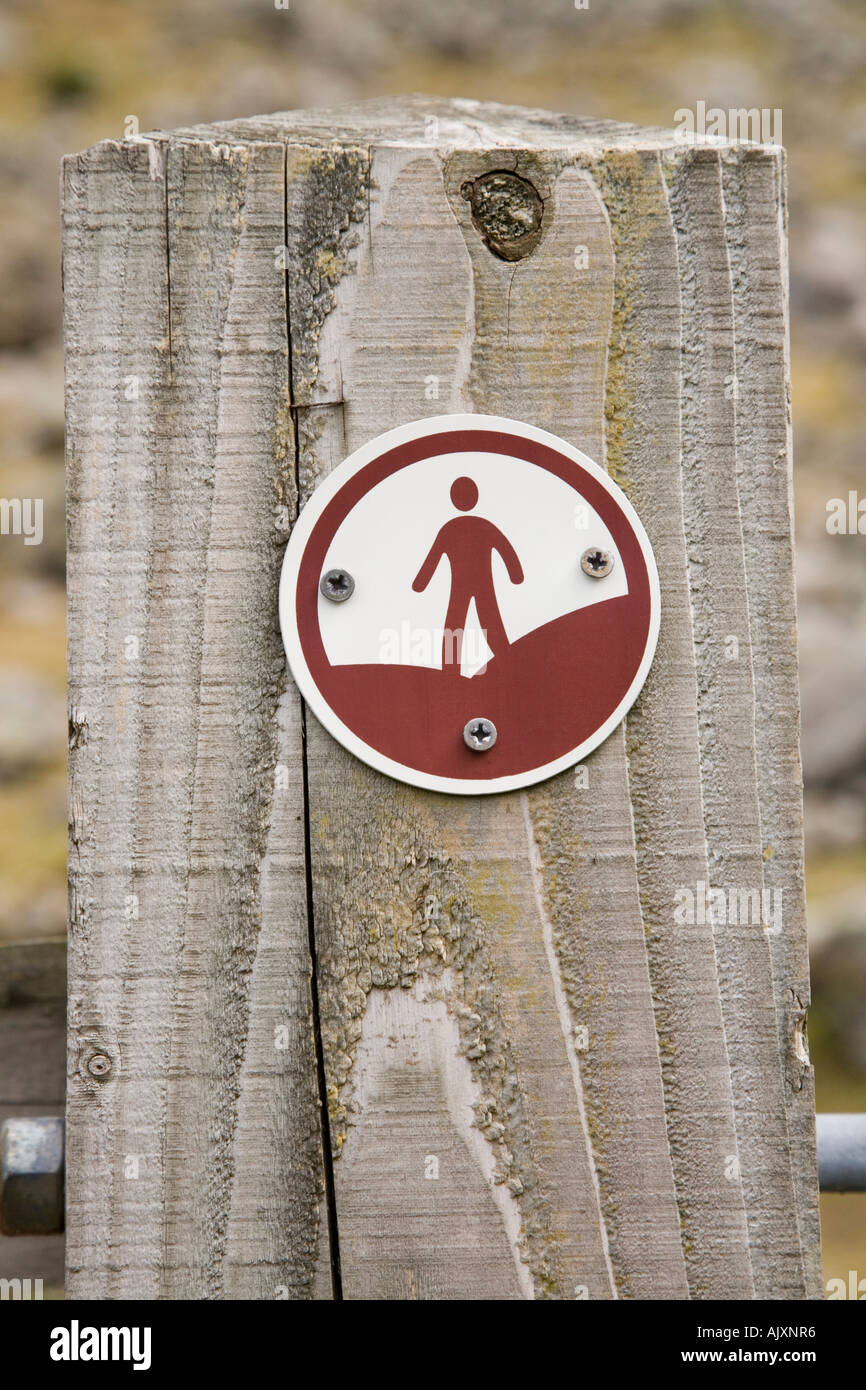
<point x="506" y="211"/>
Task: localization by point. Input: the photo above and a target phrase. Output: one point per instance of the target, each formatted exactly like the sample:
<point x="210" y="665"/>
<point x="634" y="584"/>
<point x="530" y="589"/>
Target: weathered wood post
<point x="556" y="1063"/>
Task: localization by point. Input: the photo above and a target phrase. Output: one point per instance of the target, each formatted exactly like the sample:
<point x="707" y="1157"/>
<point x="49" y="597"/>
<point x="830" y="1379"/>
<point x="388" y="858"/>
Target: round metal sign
<point x="469" y="604"/>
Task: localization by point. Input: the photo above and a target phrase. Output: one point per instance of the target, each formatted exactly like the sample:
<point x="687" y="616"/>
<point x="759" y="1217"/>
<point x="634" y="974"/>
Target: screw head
<point x="479" y="734"/>
<point x="597" y="563"/>
<point x="337" y="585"/>
<point x="99" y="1065"/>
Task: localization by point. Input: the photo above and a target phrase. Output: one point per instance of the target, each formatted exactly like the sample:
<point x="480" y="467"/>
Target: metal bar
<point x="842" y="1153"/>
<point x="31" y="1176"/>
<point x="31" y="1168"/>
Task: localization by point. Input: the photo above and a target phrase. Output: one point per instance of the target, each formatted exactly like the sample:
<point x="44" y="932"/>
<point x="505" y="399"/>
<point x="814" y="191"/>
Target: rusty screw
<point x="597" y="563"/>
<point x="31" y="1176"/>
<point x="480" y="734"/>
<point x="337" y="585"/>
<point x="99" y="1065"/>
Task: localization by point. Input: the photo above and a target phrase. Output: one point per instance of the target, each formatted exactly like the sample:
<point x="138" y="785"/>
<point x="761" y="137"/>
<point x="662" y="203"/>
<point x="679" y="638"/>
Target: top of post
<point x="463" y="124"/>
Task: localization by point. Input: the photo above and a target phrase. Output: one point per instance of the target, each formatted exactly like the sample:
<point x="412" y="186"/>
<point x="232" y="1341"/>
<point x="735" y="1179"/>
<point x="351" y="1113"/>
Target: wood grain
<point x="664" y="788"/>
<point x="540" y="1081"/>
<point x="726" y="719"/>
<point x="753" y="192"/>
<point x="188" y="934"/>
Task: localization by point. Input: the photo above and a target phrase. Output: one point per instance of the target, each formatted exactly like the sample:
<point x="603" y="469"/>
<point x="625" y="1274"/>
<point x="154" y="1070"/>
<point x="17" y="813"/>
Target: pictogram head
<point x="464" y="494"/>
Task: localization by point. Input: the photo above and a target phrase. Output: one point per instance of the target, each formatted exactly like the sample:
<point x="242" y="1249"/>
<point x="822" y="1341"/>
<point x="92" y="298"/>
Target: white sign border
<point x="429" y="427"/>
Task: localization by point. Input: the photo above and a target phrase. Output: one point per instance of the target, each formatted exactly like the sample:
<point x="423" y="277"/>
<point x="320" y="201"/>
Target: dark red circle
<point x="565" y="680"/>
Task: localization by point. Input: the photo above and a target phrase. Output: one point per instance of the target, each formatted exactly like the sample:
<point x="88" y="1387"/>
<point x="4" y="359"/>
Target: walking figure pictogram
<point x="469" y="543"/>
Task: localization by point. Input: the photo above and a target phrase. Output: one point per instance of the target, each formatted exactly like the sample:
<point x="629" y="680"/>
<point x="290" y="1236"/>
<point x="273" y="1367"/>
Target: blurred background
<point x="73" y="71"/>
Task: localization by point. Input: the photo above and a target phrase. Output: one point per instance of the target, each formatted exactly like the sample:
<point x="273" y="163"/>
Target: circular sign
<point x="469" y="604"/>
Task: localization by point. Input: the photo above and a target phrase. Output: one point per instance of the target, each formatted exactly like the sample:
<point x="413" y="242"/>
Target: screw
<point x="337" y="585"/>
<point x="480" y="734"/>
<point x="596" y="562"/>
<point x="99" y="1065"/>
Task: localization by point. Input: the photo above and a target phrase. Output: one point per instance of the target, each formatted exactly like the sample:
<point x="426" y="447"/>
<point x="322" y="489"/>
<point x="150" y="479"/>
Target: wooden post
<point x="554" y="1065"/>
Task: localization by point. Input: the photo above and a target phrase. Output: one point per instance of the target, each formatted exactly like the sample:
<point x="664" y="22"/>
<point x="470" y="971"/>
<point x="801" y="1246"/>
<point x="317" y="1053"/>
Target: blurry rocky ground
<point x="72" y="71"/>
